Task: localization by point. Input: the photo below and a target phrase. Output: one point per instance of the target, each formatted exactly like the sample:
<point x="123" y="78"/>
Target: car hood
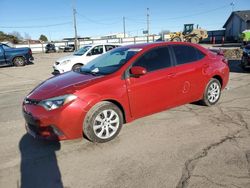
<point x="69" y="57"/>
<point x="67" y="83"/>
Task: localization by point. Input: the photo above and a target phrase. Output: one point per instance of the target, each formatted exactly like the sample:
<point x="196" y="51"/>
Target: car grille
<point x="31" y="101"/>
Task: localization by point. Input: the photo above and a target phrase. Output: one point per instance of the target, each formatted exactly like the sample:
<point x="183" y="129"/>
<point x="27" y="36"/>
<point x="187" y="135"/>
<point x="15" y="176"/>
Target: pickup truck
<point x="15" y="56"/>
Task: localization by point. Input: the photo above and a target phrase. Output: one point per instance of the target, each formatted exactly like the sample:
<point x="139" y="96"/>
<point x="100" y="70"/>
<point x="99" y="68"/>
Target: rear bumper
<point x="31" y="59"/>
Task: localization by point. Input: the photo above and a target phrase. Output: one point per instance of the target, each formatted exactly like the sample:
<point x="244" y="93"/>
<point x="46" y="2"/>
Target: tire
<point x="243" y="64"/>
<point x="176" y="39"/>
<point x="194" y="40"/>
<point x="98" y="122"/>
<point x="212" y="93"/>
<point x="77" y="67"/>
<point x="19" y="61"/>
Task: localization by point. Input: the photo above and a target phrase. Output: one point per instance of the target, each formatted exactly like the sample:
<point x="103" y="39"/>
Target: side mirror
<point x="138" y="71"/>
<point x="89" y="54"/>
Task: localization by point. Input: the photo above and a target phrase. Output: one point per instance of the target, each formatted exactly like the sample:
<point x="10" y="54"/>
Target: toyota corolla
<point x="122" y="85"/>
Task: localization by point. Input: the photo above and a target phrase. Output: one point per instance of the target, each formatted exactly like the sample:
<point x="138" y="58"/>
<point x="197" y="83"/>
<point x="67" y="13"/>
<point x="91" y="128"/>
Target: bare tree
<point x="27" y="36"/>
<point x="17" y="35"/>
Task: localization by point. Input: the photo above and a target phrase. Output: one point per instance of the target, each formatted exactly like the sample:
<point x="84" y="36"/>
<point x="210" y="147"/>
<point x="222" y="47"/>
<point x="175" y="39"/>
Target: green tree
<point x="43" y="38"/>
<point x="8" y="37"/>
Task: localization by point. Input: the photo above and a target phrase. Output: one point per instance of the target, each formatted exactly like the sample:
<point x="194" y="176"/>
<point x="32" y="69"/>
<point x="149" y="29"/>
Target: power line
<point x="195" y="14"/>
<point x="37" y="26"/>
<point x="97" y="21"/>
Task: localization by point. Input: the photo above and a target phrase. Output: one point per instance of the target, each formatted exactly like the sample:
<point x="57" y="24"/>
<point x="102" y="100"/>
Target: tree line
<point x="15" y="37"/>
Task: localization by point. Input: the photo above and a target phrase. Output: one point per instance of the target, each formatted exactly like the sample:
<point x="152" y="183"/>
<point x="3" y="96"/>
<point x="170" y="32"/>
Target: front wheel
<point x="103" y="122"/>
<point x="194" y="40"/>
<point x="19" y="61"/>
<point x="176" y="39"/>
<point x="212" y="92"/>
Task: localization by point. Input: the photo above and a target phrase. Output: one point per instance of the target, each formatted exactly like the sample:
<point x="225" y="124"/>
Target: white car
<point x="81" y="57"/>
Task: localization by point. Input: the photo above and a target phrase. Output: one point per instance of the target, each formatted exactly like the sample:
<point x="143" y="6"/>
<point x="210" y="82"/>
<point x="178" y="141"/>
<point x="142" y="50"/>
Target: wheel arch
<point x="119" y="106"/>
<point x="12" y="59"/>
<point x="219" y="78"/>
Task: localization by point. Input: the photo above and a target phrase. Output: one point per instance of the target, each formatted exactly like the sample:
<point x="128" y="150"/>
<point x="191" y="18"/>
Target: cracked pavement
<point x="187" y="146"/>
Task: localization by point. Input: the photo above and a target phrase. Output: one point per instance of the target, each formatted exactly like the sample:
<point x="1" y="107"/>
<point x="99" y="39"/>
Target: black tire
<point x="211" y="99"/>
<point x="243" y="63"/>
<point x="176" y="39"/>
<point x="93" y="117"/>
<point x="77" y="67"/>
<point x="19" y="61"/>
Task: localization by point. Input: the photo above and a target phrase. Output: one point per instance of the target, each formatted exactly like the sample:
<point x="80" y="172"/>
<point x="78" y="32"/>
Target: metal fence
<point x="38" y="48"/>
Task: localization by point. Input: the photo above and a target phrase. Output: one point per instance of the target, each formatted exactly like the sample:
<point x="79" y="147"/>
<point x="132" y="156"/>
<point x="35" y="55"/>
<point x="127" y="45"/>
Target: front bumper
<point x="57" y="69"/>
<point x="63" y="123"/>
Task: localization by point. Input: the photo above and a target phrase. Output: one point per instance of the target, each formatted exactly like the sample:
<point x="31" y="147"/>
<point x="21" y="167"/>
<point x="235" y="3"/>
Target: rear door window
<point x="109" y="47"/>
<point x="97" y="50"/>
<point x="186" y="54"/>
<point x="155" y="59"/>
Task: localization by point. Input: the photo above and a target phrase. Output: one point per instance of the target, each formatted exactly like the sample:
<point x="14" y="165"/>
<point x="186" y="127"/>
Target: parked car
<point x="15" y="56"/>
<point x="50" y="48"/>
<point x="245" y="60"/>
<point x="81" y="57"/>
<point x="122" y="85"/>
<point x="68" y="48"/>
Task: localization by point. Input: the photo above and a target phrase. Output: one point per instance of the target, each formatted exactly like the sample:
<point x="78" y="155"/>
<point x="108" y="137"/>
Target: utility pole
<point x="124" y="28"/>
<point x="74" y="17"/>
<point x="147" y="24"/>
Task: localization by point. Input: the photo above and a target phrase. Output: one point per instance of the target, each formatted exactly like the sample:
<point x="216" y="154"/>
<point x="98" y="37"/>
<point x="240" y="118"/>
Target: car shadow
<point x="12" y="66"/>
<point x="234" y="66"/>
<point x="39" y="166"/>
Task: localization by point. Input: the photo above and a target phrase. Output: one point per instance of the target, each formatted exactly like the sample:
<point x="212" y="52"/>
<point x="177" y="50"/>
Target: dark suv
<point x="50" y="48"/>
<point x="245" y="60"/>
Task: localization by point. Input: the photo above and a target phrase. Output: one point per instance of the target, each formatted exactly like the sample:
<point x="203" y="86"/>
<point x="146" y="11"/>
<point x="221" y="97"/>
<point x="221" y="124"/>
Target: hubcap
<point x="19" y="61"/>
<point x="213" y="92"/>
<point x="106" y="124"/>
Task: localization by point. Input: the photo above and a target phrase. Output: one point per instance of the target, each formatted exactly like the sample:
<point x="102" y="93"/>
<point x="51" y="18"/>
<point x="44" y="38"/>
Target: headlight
<point x="56" y="102"/>
<point x="65" y="62"/>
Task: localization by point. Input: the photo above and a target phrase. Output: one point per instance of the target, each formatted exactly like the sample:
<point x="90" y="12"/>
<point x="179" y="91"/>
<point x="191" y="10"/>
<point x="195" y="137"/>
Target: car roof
<point x="97" y="44"/>
<point x="155" y="44"/>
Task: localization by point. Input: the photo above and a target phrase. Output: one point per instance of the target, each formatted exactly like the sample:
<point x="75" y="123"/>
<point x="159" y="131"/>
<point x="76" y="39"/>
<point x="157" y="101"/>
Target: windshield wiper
<point x="90" y="72"/>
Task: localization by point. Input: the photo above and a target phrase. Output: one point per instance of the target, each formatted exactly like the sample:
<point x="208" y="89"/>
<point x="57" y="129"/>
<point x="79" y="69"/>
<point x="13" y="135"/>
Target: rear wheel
<point x="212" y="92"/>
<point x="19" y="61"/>
<point x="77" y="67"/>
<point x="103" y="122"/>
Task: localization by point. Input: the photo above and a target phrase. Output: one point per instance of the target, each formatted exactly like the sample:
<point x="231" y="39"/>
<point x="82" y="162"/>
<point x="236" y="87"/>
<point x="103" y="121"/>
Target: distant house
<point x="237" y="22"/>
<point x="114" y="36"/>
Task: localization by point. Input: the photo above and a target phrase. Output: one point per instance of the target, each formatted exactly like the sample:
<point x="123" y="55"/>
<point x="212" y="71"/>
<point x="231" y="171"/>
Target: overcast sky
<point x="100" y="17"/>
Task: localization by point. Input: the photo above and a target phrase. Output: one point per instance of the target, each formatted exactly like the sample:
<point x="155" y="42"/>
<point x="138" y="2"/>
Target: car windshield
<point x="109" y="62"/>
<point x="82" y="50"/>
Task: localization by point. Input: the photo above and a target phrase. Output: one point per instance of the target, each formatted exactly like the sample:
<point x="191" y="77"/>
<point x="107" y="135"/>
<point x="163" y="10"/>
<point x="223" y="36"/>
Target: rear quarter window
<point x="187" y="54"/>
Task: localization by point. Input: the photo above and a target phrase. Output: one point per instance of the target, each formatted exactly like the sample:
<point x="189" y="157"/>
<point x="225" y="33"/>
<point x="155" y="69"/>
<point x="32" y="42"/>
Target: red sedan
<point x="122" y="85"/>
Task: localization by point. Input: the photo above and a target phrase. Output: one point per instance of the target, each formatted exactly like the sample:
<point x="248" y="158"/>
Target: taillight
<point x="224" y="60"/>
